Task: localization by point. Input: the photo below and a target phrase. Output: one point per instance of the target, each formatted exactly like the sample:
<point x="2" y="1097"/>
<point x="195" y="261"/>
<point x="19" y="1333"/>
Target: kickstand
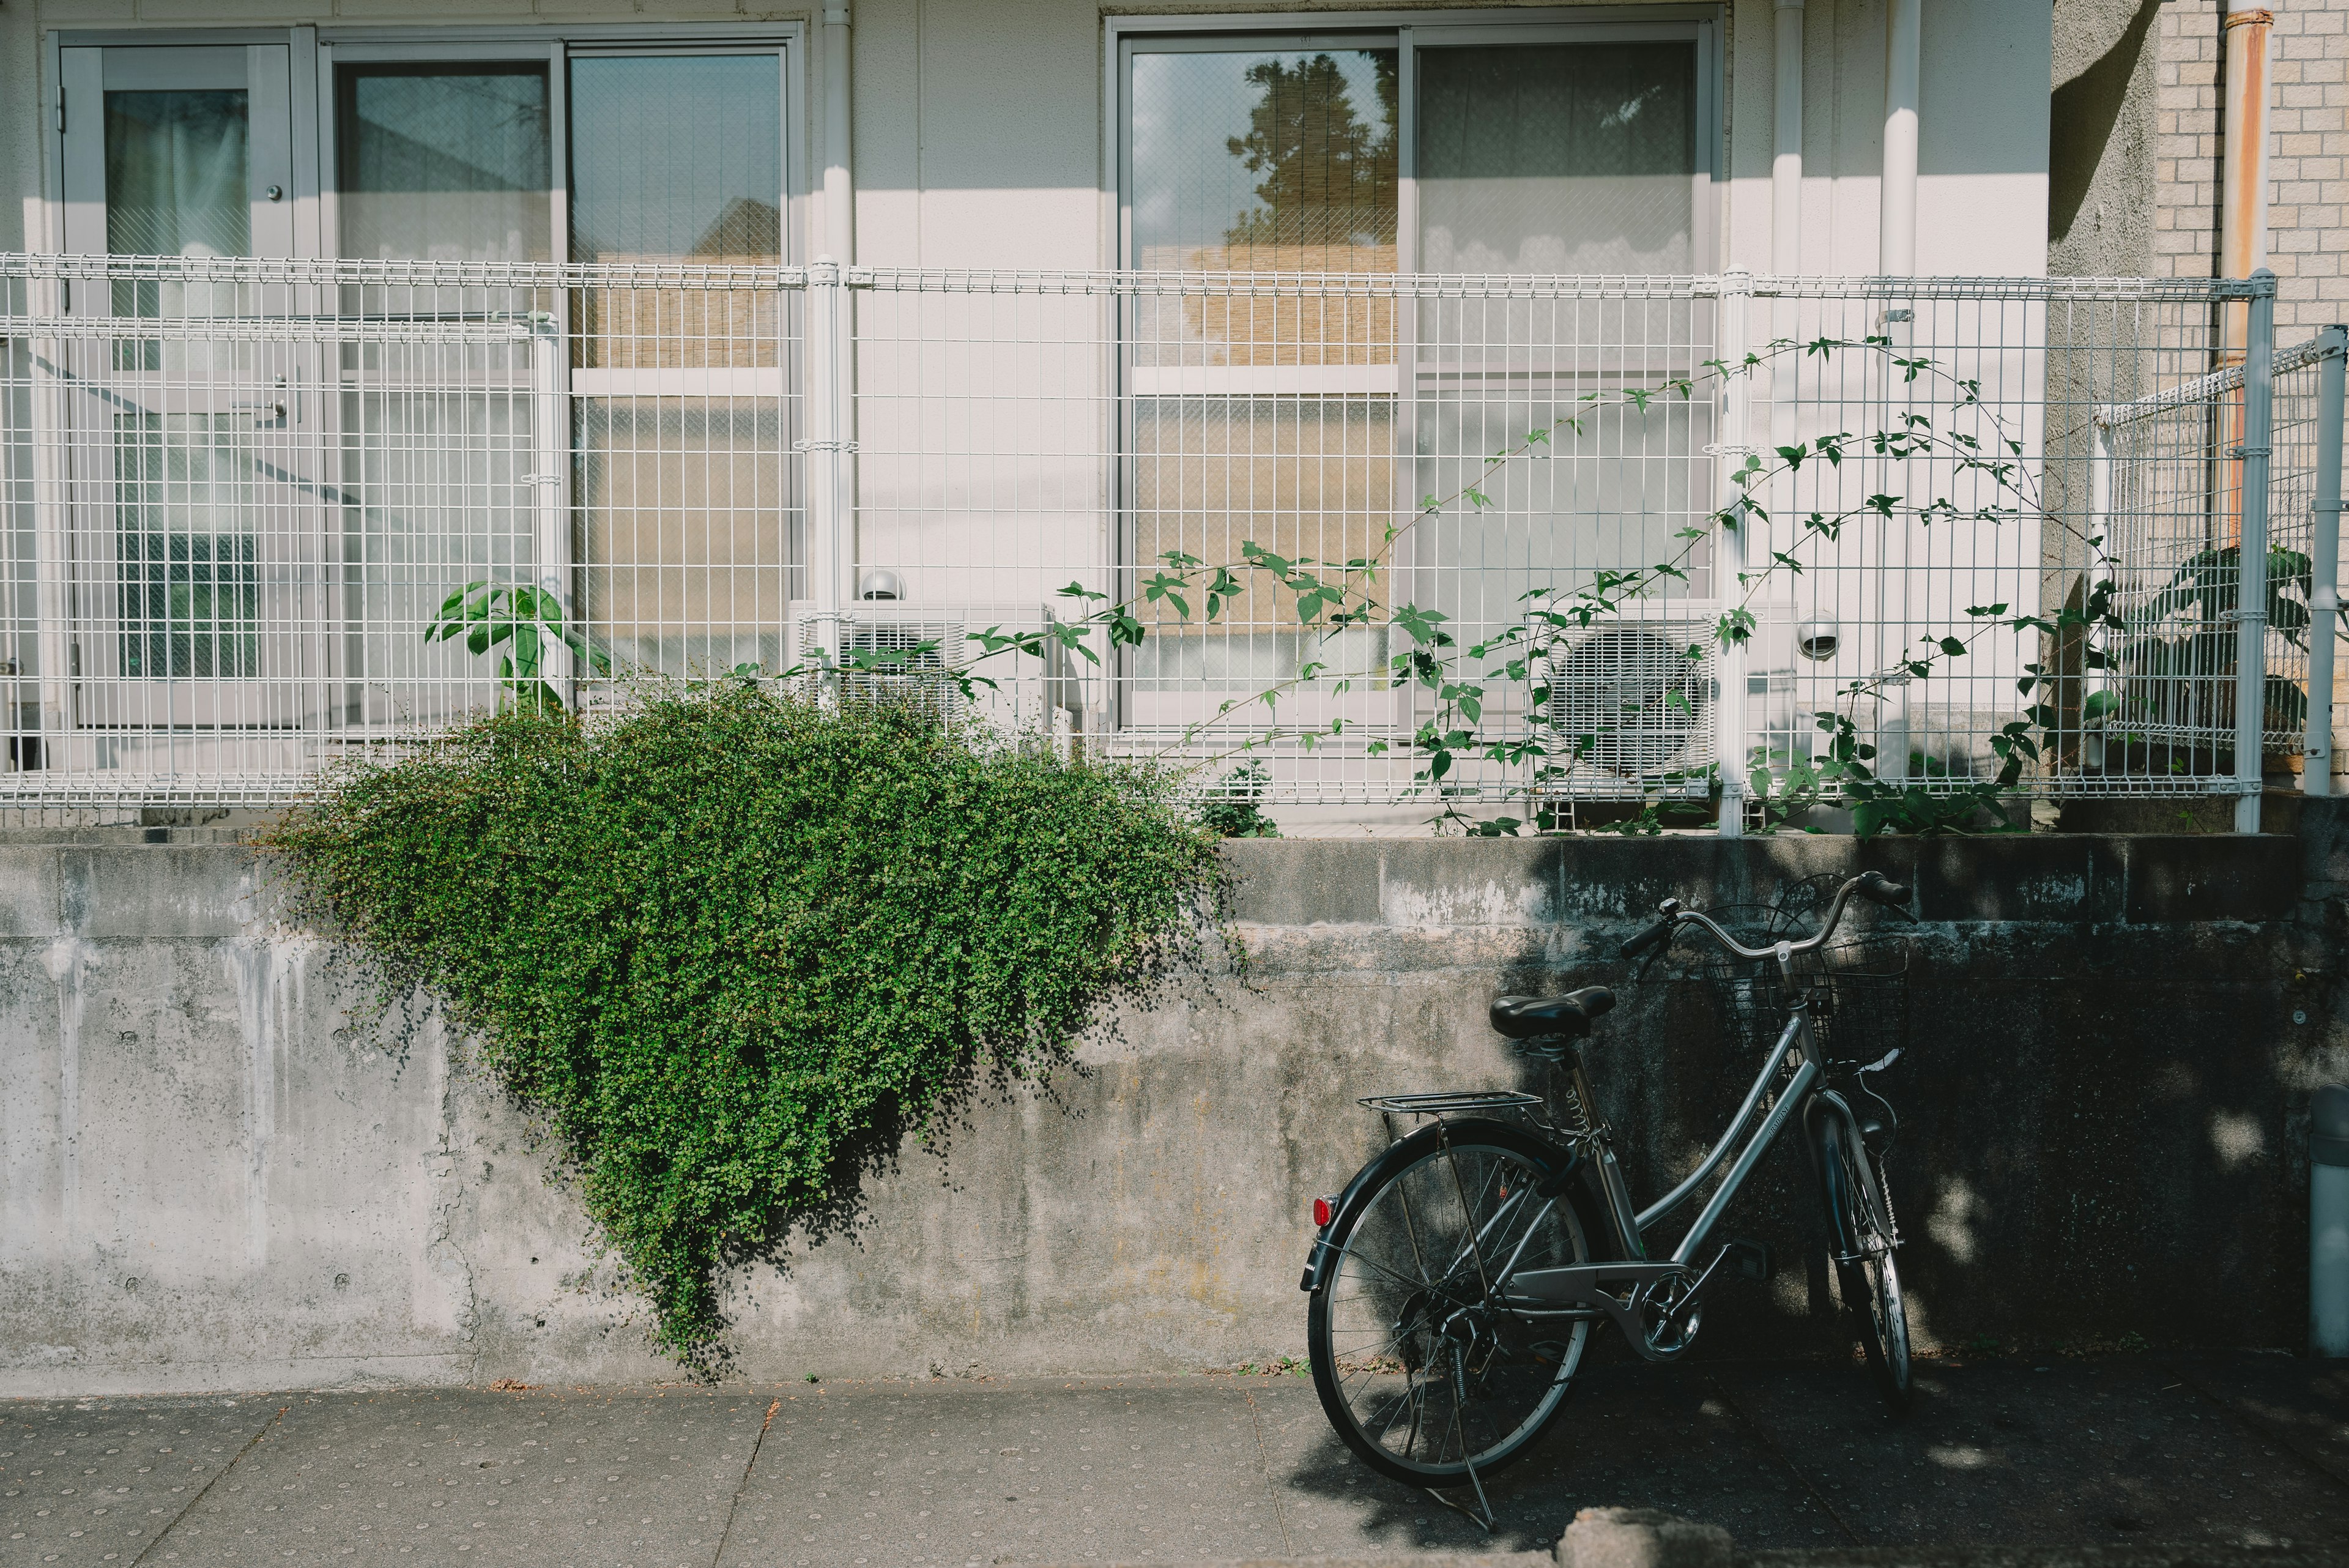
<point x="1481" y="1513"/>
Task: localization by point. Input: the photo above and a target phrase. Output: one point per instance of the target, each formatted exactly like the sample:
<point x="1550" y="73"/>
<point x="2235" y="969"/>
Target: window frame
<point x="1408" y="32"/>
<point x="314" y="52"/>
<point x="312" y="107"/>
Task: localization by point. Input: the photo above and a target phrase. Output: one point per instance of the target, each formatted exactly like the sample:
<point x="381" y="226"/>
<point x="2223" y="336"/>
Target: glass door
<point x="1467" y="153"/>
<point x="195" y="561"/>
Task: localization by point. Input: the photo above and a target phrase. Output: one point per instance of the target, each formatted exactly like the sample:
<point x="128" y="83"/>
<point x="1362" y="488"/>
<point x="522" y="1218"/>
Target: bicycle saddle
<point x="1552" y="1017"/>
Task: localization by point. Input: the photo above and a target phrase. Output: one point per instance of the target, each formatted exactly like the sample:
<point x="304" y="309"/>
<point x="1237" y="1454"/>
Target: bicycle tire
<point x="1521" y="1386"/>
<point x="1866" y="1276"/>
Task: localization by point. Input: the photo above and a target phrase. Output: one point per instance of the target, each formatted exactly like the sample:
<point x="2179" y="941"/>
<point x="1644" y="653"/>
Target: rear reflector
<point x="1321" y="1211"/>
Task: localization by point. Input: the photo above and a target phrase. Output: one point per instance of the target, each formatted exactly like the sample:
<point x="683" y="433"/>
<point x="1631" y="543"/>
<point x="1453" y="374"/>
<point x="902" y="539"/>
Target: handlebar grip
<point x="1660" y="932"/>
<point x="1873" y="888"/>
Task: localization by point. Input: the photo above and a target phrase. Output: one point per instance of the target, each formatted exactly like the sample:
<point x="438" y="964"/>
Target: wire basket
<point x="1857" y="987"/>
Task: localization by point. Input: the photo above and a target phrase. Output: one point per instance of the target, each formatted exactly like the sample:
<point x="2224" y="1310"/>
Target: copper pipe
<point x="2242" y="224"/>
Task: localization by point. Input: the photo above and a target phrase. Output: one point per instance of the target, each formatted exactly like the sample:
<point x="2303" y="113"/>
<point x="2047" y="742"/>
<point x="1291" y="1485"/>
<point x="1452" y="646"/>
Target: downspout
<point x="1787" y="143"/>
<point x="1779" y="386"/>
<point x="1904" y="34"/>
<point x="840" y="242"/>
<point x="1903" y="54"/>
<point x="2242" y="217"/>
<point x="839" y="190"/>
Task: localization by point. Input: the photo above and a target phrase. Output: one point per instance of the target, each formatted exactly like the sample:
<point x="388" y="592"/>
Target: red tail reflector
<point x="1321" y="1211"/>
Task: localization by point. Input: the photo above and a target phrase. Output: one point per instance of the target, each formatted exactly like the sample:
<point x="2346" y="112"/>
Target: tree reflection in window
<point x="1327" y="175"/>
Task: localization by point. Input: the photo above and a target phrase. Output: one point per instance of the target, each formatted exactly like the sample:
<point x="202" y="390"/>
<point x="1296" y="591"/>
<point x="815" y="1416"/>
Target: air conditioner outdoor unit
<point x="887" y="652"/>
<point x="1629" y="711"/>
<point x="1632" y="696"/>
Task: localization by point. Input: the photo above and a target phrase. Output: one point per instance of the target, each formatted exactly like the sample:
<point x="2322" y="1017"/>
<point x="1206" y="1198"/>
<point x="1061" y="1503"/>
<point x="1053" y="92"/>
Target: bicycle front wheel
<point x="1420" y="1366"/>
<point x="1865" y="1275"/>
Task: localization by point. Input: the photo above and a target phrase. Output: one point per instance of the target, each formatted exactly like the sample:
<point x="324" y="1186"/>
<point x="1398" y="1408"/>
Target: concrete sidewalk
<point x="2216" y="1452"/>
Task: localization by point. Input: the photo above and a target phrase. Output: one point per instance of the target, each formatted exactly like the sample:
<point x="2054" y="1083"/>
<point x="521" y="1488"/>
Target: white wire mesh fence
<point x="2167" y="511"/>
<point x="264" y="515"/>
<point x="1304" y="533"/>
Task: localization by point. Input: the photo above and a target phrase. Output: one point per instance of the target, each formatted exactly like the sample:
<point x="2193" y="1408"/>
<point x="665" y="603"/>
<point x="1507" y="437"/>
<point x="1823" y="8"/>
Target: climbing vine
<point x="1944" y="424"/>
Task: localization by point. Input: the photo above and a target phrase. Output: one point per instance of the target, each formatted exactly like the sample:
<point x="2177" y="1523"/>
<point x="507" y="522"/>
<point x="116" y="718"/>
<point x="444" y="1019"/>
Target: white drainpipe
<point x="1903" y="48"/>
<point x="1897" y="257"/>
<point x="840" y="244"/>
<point x="1787" y="144"/>
<point x="839" y="189"/>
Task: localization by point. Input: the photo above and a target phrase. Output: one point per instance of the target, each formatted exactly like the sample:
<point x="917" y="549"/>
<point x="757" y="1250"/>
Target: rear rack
<point x="1451" y="1102"/>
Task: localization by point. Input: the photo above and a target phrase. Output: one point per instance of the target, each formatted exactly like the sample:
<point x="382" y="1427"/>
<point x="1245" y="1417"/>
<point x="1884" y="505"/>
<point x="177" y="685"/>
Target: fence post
<point x="2099" y="533"/>
<point x="2252" y="557"/>
<point x="550" y="477"/>
<point x="1729" y="733"/>
<point x="2324" y="563"/>
<point x="823" y="448"/>
<point x="53" y="413"/>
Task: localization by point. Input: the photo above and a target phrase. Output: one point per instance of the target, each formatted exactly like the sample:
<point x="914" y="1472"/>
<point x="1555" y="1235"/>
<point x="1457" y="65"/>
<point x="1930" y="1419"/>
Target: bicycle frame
<point x="1572" y="1292"/>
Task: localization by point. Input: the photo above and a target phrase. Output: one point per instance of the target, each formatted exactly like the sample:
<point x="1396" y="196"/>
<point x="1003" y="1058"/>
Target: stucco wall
<point x="1982" y="135"/>
<point x="212" y="1174"/>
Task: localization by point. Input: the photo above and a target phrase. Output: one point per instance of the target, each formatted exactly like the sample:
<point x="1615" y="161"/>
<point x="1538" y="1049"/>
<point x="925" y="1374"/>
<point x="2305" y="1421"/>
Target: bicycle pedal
<point x="1752" y="1261"/>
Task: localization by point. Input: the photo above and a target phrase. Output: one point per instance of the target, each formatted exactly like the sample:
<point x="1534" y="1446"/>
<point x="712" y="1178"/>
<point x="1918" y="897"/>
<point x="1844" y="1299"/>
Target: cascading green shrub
<point x="733" y="946"/>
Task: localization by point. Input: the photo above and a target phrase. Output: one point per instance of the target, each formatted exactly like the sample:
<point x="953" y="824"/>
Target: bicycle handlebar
<point x="1661" y="931"/>
<point x="1873" y="885"/>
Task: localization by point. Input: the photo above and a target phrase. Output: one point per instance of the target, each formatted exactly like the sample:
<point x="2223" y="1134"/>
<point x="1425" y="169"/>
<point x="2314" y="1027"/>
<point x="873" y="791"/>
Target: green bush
<point x="735" y="946"/>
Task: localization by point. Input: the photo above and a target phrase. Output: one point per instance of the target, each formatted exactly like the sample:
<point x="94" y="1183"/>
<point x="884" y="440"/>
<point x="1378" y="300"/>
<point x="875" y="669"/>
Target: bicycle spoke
<point x="1431" y="1372"/>
<point x="1421" y="1284"/>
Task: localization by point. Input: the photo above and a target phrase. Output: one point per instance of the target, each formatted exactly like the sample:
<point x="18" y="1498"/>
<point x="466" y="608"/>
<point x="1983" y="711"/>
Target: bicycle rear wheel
<point x="1419" y="1367"/>
<point x="1865" y="1275"/>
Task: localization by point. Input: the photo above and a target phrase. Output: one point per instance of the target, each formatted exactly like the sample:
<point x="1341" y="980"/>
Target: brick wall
<point x="2308" y="164"/>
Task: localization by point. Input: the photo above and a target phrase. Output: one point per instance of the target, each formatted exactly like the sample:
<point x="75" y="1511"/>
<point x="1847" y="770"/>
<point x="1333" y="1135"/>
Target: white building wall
<point x="1982" y="154"/>
<point x="979" y="123"/>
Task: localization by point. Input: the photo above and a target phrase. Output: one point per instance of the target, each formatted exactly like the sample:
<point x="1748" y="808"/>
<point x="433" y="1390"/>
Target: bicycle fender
<point x="1401" y="1152"/>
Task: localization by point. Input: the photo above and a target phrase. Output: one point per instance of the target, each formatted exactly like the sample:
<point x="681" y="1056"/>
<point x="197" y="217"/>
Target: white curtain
<point x="1561" y="158"/>
<point x="176" y="175"/>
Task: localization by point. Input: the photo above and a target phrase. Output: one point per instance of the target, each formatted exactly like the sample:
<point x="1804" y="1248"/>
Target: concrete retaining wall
<point x="213" y="1174"/>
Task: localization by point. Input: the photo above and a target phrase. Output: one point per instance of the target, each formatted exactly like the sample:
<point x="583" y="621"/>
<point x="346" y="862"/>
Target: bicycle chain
<point x="1891" y="1220"/>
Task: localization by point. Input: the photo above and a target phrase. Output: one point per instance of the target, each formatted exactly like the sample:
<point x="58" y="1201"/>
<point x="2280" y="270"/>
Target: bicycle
<point x="1455" y="1282"/>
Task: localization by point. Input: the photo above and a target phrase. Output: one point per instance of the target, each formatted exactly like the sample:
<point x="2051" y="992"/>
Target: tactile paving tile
<point x="580" y="1481"/>
<point x="94" y="1481"/>
<point x="1154" y="1471"/>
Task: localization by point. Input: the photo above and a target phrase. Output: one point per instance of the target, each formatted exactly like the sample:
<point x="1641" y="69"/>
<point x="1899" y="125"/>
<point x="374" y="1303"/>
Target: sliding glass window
<point x="1311" y="421"/>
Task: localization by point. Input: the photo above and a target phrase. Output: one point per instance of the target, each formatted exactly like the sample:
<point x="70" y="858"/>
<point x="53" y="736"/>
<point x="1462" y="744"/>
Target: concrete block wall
<point x="217" y="1171"/>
